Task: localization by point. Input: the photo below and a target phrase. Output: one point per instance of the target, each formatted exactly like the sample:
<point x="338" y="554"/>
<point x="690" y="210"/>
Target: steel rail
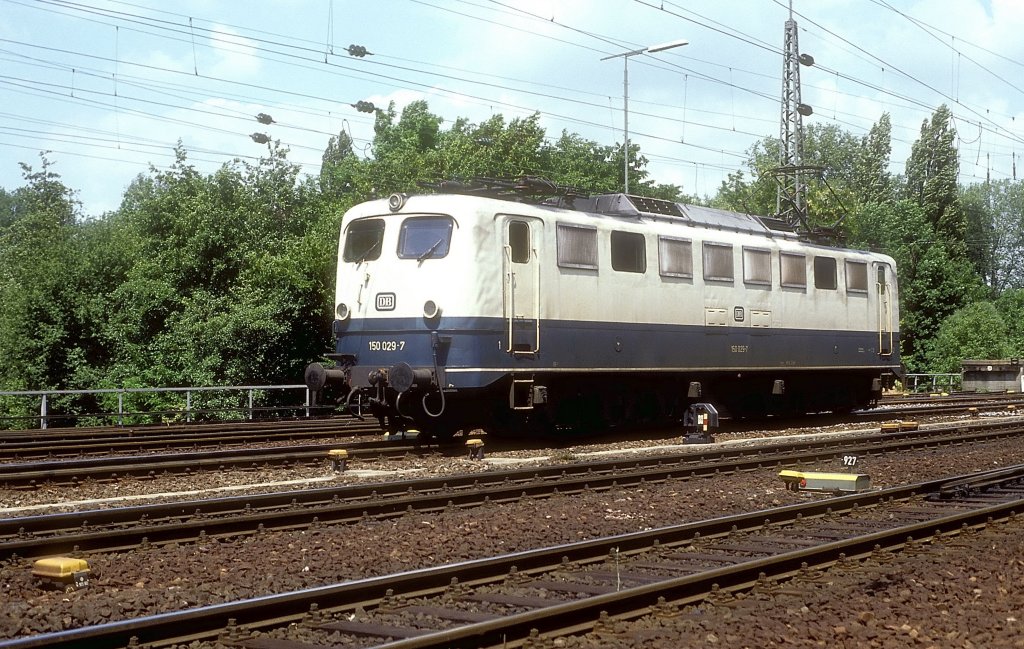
<point x="142" y="430"/>
<point x="74" y="471"/>
<point x="73" y="446"/>
<point x="937" y="408"/>
<point x="948" y="397"/>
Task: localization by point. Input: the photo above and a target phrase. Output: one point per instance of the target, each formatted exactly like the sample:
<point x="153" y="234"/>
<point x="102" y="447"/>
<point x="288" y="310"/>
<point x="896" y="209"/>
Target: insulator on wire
<point x="260" y="138"/>
<point x="263" y="118"/>
<point x="357" y="50"/>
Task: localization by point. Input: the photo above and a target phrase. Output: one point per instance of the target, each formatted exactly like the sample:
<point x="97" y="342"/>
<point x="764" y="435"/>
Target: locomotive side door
<point x="521" y="268"/>
<point x="883" y="274"/>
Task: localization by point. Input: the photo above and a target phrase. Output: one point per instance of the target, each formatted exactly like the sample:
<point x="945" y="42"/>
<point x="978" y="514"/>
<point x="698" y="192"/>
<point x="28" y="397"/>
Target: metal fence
<point x="934" y="383"/>
<point x="132" y="406"/>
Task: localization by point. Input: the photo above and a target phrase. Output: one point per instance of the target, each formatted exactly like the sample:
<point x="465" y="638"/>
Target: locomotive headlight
<point x="431" y="310"/>
<point x="397" y="201"/>
<point x="342" y="311"/>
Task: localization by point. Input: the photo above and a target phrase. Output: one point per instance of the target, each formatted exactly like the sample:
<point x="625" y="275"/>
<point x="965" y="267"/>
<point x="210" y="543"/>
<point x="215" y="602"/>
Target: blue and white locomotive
<point x="469" y="310"/>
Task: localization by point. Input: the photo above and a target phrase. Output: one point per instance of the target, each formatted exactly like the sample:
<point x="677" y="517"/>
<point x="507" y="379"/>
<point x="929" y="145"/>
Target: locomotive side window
<point x="757" y="266"/>
<point x="423" y="237"/>
<point x="825" y="273"/>
<point x="363" y="240"/>
<point x="629" y="252"/>
<point x="794" y="270"/>
<point x="718" y="262"/>
<point x="577" y="246"/>
<point x="519" y="241"/>
<point x="856" y="276"/>
<point x="675" y="257"/>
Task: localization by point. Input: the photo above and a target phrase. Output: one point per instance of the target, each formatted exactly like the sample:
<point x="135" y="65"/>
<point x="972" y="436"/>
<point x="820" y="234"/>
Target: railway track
<point x="71" y="443"/>
<point x="947" y="405"/>
<point x="128" y="527"/>
<point x="594" y="585"/>
<point x="109" y="468"/>
<point x="70" y="472"/>
<point x="949" y="398"/>
<point x="58" y="443"/>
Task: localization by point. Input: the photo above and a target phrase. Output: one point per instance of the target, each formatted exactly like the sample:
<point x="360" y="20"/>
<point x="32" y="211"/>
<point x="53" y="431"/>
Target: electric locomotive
<point x="497" y="309"/>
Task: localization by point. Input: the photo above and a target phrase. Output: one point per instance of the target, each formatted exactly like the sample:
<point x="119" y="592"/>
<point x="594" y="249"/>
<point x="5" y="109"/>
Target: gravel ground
<point x="152" y="580"/>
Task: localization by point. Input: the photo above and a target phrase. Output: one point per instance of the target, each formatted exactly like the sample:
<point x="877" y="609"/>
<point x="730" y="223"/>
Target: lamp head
<point x="667" y="46"/>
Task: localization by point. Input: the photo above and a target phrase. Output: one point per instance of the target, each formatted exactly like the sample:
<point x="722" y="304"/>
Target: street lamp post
<point x="625" y="94"/>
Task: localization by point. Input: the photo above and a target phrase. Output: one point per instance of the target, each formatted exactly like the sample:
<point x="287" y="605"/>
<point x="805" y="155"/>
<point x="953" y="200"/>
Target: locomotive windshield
<point x="424" y="237"/>
<point x="363" y="240"/>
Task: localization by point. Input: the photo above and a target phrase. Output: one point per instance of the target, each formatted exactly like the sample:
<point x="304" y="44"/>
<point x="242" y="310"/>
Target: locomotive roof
<point x="540" y="191"/>
<point x="628" y="206"/>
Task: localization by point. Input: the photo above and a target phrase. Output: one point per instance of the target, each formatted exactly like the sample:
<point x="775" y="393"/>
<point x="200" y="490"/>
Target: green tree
<point x="1011" y="307"/>
<point x="870" y="177"/>
<point x="413" y="148"/>
<point x="225" y="283"/>
<point x="578" y="162"/>
<point x="492" y="149"/>
<point x="931" y="179"/>
<point x="343" y="176"/>
<point x="758" y="195"/>
<point x="9" y="207"/>
<point x="404" y="149"/>
<point x="36" y="251"/>
<point x="53" y="268"/>
<point x="995" y="222"/>
<point x="975" y="331"/>
<point x="829" y="192"/>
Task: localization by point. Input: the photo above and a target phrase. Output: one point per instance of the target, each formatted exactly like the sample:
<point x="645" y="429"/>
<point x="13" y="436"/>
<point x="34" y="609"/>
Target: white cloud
<point x="235" y="56"/>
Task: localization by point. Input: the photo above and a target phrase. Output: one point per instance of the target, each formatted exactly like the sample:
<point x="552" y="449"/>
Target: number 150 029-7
<point x="386" y="345"/>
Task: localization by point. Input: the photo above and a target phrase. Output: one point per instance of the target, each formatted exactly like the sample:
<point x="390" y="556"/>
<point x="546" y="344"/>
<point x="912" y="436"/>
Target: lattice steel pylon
<point x="790" y="203"/>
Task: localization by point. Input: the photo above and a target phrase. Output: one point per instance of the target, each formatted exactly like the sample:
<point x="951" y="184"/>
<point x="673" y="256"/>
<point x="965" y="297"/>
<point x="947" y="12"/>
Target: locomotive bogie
<point x="460" y="311"/>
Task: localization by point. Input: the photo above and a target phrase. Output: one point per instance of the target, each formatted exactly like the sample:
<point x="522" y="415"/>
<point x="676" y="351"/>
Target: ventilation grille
<point x="656" y="206"/>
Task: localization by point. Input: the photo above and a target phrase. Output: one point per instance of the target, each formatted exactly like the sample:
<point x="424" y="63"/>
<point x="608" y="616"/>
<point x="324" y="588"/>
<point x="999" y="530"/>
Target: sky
<point x="109" y="87"/>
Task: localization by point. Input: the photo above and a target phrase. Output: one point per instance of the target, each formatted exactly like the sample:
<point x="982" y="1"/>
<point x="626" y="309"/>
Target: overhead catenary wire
<point x="280" y="48"/>
<point x="268" y="40"/>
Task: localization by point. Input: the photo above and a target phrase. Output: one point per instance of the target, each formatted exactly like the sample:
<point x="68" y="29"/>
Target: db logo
<point x="385" y="301"/>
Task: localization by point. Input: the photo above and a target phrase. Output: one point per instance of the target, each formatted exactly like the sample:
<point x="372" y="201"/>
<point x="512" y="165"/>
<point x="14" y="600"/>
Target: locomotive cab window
<point x="577" y="246"/>
<point x="794" y="270"/>
<point x="425" y="237"/>
<point x="825" y="273"/>
<point x="757" y="266"/>
<point x="363" y="240"/>
<point x="629" y="254"/>
<point x="675" y="257"/>
<point x="718" y="262"/>
<point x="856" y="276"/>
<point x="519" y="241"/>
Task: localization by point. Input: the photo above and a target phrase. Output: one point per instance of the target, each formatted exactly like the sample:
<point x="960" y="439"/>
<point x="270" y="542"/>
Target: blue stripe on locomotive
<point x="473" y="350"/>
